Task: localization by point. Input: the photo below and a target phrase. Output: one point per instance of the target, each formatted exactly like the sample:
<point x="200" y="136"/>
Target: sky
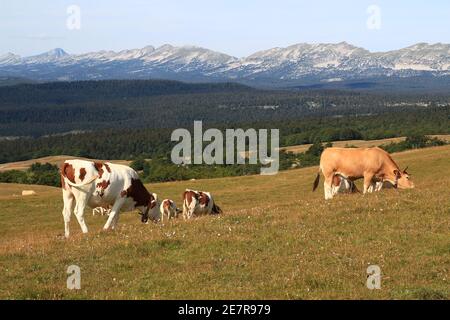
<point x="235" y="27"/>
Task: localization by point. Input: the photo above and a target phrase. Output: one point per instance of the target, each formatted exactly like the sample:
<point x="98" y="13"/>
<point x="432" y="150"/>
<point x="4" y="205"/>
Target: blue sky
<point x="234" y="27"/>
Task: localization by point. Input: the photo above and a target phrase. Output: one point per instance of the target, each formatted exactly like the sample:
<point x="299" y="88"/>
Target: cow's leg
<point x="335" y="190"/>
<point x="163" y="212"/>
<point x="328" y="191"/>
<point x="185" y="210"/>
<point x="372" y="187"/>
<point x="115" y="221"/>
<point x="79" y="210"/>
<point x="68" y="199"/>
<point x="328" y="187"/>
<point x="191" y="210"/>
<point x="168" y="213"/>
<point x="379" y="186"/>
<point x="367" y="182"/>
<point x="114" y="211"/>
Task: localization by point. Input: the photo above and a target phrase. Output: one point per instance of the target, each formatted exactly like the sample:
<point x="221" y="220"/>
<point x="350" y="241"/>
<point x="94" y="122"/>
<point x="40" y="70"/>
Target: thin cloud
<point x="40" y="37"/>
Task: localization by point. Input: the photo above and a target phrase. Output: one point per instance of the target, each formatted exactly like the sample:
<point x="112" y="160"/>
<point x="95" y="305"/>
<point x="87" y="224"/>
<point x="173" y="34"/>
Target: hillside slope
<point x="276" y="239"/>
<point x="358" y="143"/>
<point x="55" y="160"/>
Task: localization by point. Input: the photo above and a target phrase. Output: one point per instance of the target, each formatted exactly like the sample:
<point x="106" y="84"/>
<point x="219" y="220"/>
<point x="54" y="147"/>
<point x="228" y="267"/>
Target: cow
<point x="169" y="209"/>
<point x="343" y="185"/>
<point x="101" y="211"/>
<point x="198" y="203"/>
<point x="371" y="164"/>
<point x="378" y="185"/>
<point x="103" y="184"/>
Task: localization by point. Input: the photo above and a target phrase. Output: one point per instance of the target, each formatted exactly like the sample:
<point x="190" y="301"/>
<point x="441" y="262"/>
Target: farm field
<point x="359" y="143"/>
<point x="276" y="240"/>
<point x="55" y="160"/>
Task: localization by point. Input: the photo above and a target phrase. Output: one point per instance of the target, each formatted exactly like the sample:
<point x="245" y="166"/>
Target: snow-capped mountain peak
<point x="9" y="58"/>
<point x="319" y="60"/>
<point x="47" y="57"/>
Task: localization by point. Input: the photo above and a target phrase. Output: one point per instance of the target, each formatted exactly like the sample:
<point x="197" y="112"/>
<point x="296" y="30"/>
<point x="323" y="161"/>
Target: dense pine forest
<point x="134" y="119"/>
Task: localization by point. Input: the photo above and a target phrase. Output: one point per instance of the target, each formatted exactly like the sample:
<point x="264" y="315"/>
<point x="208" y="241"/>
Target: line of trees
<point x="160" y="169"/>
<point x="43" y="174"/>
<point x="150" y="143"/>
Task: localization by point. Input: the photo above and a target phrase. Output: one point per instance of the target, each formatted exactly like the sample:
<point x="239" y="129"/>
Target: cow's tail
<point x="70" y="183"/>
<point x="216" y="209"/>
<point x="65" y="180"/>
<point x="316" y="181"/>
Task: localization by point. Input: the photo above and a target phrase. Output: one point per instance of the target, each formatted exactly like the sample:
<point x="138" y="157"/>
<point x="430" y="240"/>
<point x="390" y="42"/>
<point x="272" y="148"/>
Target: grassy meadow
<point x="276" y="240"/>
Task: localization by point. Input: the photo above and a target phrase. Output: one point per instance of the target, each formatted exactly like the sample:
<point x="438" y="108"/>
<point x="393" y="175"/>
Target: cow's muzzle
<point x="144" y="217"/>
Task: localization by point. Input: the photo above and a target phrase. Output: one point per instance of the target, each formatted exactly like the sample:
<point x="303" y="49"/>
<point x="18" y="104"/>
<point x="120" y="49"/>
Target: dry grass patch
<point x="277" y="239"/>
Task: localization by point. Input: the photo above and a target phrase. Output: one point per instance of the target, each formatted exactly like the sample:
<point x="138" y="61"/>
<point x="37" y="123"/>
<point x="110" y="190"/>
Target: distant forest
<point x="128" y="119"/>
<point x="160" y="168"/>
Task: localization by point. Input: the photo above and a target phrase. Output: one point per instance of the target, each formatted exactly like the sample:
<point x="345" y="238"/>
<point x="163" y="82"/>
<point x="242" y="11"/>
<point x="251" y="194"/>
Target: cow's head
<point x="403" y="179"/>
<point x="144" y="215"/>
<point x="151" y="210"/>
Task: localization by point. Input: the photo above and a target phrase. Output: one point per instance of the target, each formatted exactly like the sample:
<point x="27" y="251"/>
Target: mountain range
<point x="299" y="63"/>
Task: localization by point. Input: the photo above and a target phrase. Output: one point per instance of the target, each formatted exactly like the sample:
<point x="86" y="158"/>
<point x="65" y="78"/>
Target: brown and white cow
<point x="378" y="185"/>
<point x="168" y="209"/>
<point x="198" y="203"/>
<point x="103" y="184"/>
<point x="371" y="164"/>
<point x="101" y="211"/>
<point x="341" y="184"/>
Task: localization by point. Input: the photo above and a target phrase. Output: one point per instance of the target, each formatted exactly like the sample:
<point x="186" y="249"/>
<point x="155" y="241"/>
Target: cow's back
<point x="352" y="162"/>
<point x="119" y="180"/>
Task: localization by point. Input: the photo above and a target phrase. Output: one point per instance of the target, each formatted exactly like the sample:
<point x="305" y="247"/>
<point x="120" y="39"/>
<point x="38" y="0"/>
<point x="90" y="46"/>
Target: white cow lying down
<point x="101" y="211"/>
<point x="103" y="184"/>
<point x="198" y="203"/>
<point x="341" y="184"/>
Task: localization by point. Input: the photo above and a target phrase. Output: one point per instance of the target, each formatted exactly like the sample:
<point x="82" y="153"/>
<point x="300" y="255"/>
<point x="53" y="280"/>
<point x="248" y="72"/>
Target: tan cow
<point x="371" y="164"/>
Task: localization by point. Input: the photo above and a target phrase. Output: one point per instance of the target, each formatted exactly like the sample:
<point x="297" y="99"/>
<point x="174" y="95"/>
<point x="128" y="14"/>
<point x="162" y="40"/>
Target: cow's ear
<point x="404" y="171"/>
<point x="397" y="173"/>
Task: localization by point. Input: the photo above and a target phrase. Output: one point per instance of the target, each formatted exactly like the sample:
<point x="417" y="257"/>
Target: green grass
<point x="275" y="240"/>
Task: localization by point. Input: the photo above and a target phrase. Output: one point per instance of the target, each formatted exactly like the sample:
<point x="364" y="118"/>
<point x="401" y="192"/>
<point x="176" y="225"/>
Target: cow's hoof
<point x="62" y="236"/>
